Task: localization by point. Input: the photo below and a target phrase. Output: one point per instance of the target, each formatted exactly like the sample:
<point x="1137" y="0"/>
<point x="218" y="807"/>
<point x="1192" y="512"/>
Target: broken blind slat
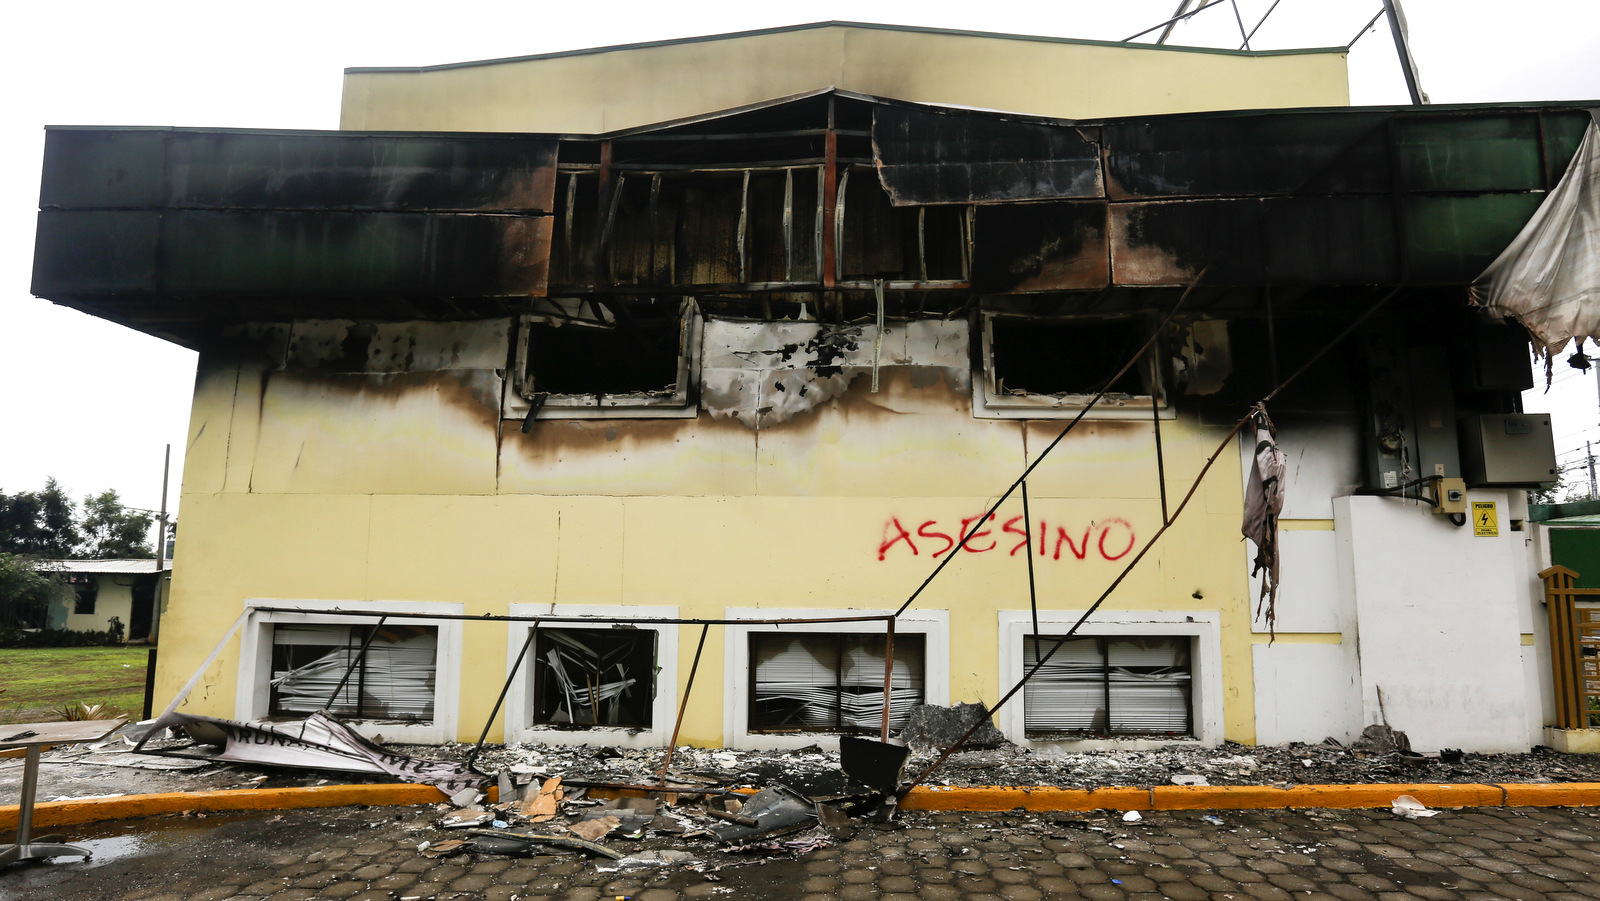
<point x="1149" y="686"/>
<point x="825" y="682"/>
<point x="395" y="680"/>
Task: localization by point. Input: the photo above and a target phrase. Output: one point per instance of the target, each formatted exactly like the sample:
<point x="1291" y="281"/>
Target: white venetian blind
<point x="395" y="680"/>
<point x="832" y="682"/>
<point x="1105" y="686"/>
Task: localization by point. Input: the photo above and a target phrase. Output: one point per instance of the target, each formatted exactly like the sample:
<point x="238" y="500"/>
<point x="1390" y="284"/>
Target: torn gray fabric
<point x="319" y="742"/>
<point x="1549" y="277"/>
<point x="1263" y="502"/>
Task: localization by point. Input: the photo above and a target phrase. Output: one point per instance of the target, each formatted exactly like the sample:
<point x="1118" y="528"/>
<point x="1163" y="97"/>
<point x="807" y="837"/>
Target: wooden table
<point x="34" y="736"/>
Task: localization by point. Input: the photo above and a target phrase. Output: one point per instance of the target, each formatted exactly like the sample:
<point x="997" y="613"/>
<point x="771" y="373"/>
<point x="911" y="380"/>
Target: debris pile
<point x="629" y="826"/>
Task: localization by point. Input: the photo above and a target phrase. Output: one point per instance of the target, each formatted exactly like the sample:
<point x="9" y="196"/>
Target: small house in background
<point x="758" y="326"/>
<point x="93" y="592"/>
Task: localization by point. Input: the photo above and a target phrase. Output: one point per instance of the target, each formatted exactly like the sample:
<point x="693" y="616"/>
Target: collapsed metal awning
<point x="181" y="232"/>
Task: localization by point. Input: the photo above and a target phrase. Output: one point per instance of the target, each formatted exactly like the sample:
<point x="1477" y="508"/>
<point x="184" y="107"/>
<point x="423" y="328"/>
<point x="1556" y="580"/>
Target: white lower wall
<point x="1306" y="692"/>
<point x="1438" y="619"/>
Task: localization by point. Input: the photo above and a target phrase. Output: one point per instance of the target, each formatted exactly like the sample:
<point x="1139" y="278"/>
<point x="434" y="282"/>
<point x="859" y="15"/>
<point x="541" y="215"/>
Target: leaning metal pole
<point x="1167" y="524"/>
<point x="683" y="705"/>
<point x="978" y="524"/>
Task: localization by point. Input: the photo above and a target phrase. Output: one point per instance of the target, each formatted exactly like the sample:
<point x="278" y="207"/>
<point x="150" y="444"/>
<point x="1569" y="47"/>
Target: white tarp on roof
<point x="1549" y="278"/>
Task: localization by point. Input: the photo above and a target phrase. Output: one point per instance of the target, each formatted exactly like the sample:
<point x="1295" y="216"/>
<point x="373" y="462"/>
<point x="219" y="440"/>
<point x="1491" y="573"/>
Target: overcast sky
<point x="93" y="403"/>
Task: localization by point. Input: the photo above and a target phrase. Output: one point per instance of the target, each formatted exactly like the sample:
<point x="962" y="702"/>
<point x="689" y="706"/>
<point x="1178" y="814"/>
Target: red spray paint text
<point x="1110" y="539"/>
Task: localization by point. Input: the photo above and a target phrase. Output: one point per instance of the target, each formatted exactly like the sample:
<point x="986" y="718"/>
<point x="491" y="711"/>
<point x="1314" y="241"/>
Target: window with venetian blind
<point x="831" y="681"/>
<point x="392" y="680"/>
<point x="1108" y="685"/>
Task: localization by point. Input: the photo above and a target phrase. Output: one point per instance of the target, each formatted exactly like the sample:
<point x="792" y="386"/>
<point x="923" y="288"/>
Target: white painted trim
<point x="933" y="624"/>
<point x="1205" y="633"/>
<point x="255" y="661"/>
<point x="519" y="699"/>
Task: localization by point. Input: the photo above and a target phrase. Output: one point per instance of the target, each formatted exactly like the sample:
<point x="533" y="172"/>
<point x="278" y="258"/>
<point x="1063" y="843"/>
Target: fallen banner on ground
<point x="319" y="742"/>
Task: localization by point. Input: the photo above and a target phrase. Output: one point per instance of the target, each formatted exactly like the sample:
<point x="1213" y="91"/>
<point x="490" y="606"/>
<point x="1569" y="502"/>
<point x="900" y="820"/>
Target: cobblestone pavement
<point x="370" y="855"/>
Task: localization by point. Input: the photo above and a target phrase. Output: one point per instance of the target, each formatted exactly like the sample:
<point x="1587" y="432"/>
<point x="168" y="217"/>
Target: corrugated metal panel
<point x="928" y="156"/>
<point x="108" y="567"/>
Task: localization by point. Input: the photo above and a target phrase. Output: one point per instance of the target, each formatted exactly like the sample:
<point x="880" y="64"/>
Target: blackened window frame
<point x="1018" y="402"/>
<point x="644" y="403"/>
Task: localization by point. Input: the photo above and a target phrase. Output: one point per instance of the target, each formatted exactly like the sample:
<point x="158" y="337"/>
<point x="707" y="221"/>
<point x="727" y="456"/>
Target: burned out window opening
<point x="85" y="591"/>
<point x="394" y="679"/>
<point x="831" y="681"/>
<point x="1043" y="367"/>
<point x="597" y="357"/>
<point x="1105" y="686"/>
<point x="594" y="677"/>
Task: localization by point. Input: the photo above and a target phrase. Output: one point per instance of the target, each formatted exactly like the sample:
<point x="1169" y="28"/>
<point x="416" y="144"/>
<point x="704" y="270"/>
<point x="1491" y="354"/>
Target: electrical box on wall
<point x="1411" y="427"/>
<point x="1508" y="450"/>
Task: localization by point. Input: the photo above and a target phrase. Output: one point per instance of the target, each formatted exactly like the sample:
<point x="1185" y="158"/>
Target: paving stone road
<point x="1524" y="854"/>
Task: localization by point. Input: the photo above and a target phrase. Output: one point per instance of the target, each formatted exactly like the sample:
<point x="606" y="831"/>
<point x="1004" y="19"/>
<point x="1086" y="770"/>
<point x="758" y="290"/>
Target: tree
<point x="40" y="523"/>
<point x="25" y="594"/>
<point x="112" y="530"/>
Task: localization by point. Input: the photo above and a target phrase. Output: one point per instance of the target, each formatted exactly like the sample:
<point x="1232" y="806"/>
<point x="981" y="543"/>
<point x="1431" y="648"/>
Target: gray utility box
<point x="1507" y="450"/>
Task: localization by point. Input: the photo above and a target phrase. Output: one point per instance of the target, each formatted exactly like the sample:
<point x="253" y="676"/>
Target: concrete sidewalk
<point x="370" y="854"/>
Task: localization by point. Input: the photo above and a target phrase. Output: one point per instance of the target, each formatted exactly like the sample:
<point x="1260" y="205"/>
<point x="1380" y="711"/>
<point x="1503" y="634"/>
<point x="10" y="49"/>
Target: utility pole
<point x="161" y="537"/>
<point x="156" y="590"/>
<point x="1593" y="492"/>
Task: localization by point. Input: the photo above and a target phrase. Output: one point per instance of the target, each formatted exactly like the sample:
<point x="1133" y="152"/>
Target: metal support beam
<point x="1183" y="7"/>
<point x="1402" y="46"/>
<point x="683" y="704"/>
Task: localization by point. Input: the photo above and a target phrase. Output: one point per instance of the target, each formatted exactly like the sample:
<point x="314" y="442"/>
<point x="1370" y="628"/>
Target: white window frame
<point x="1202" y="628"/>
<point x="989" y="403"/>
<point x="253" y="697"/>
<point x="519" y="698"/>
<point x="934" y="625"/>
<point x="683" y="403"/>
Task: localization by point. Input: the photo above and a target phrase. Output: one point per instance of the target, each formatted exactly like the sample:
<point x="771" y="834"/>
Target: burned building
<point x="697" y="343"/>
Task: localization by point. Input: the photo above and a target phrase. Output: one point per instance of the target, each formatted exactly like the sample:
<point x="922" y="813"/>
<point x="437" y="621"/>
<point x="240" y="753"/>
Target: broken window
<point x="597" y="355"/>
<point x="594" y="677"/>
<point x="831" y="681"/>
<point x="392" y="680"/>
<point x="85" y="591"/>
<point x="1033" y="364"/>
<point x="1108" y="686"/>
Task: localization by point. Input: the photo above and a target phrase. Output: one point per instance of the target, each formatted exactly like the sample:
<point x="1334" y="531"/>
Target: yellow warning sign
<point x="1485" y="521"/>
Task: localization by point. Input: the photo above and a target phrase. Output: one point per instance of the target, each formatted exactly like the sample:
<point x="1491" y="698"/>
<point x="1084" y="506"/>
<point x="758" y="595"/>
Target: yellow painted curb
<point x="932" y="798"/>
<point x="1251" y="797"/>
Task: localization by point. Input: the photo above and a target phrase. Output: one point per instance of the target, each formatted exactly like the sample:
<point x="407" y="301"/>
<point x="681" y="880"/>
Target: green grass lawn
<point x="37" y="682"/>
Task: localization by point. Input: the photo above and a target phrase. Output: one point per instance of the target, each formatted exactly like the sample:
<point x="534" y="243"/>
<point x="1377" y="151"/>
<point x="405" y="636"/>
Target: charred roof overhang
<point x="181" y="232"/>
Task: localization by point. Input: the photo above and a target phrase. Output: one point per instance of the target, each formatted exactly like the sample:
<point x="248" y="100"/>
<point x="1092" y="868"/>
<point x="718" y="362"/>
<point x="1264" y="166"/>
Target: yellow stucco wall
<point x="351" y="487"/>
<point x="115" y="599"/>
<point x="595" y="92"/>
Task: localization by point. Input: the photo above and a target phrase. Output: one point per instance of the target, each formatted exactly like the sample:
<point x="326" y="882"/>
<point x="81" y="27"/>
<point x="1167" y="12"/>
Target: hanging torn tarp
<point x="1549" y="277"/>
<point x="319" y="742"/>
<point x="1263" y="502"/>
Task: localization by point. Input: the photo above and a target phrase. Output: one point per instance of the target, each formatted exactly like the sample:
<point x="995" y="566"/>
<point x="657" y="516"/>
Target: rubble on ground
<point x="930" y="728"/>
<point x="815" y="771"/>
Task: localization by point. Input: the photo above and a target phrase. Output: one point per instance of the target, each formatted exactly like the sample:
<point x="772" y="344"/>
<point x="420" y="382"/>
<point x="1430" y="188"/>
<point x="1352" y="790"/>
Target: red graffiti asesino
<point x="1111" y="539"/>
